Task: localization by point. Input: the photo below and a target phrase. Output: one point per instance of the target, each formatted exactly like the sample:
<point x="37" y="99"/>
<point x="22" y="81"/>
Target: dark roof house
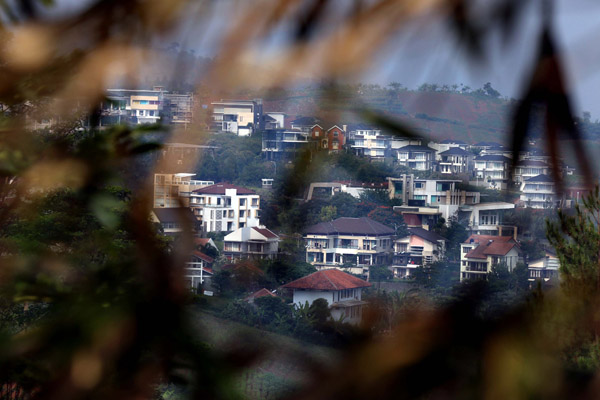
<point x="350" y="226"/>
<point x="220" y="188"/>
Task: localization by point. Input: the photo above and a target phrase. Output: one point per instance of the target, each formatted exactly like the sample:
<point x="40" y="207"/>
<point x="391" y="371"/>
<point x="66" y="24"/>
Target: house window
<point x="254" y="202"/>
<point x="242" y="213"/>
<point x="242" y="202"/>
<point x="418" y="185"/>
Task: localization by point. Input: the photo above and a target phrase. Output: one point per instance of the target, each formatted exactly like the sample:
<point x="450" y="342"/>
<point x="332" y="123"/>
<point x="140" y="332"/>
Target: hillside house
<point x="480" y="253"/>
<point x="350" y="243"/>
<point x="342" y="291"/>
<point x="491" y="171"/>
<point x="455" y="161"/>
<point x="173" y="221"/>
<point x="255" y="243"/>
<point x="421" y="247"/>
<point x="241" y="117"/>
<point x="417" y="157"/>
<point x="224" y="207"/>
<point x="539" y="192"/>
<point x="526" y="169"/>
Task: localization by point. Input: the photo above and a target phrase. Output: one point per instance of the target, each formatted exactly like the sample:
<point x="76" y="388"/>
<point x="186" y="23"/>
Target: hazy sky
<point x="430" y="54"/>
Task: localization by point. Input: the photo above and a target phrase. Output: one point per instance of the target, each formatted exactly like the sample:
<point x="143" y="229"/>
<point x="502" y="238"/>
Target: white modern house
<point x="350" y="243"/>
<point x="539" y="192"/>
<point x="241" y="117"/>
<point x="174" y="190"/>
<point x="455" y="161"/>
<point x="342" y="291"/>
<point x="417" y="157"/>
<point x="526" y="169"/>
<point x="480" y="253"/>
<point x="369" y="142"/>
<point x="257" y="243"/>
<point x="491" y="171"/>
<point x="484" y="218"/>
<point x="421" y="247"/>
<point x="224" y="207"/>
<point x="544" y="269"/>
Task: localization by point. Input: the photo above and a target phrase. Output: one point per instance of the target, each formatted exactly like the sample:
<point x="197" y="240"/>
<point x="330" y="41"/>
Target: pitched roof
<point x="261" y="293"/>
<point x="487" y="144"/>
<point x="328" y="279"/>
<point x="540" y="178"/>
<point x="357" y="226"/>
<point x="176" y="214"/>
<point x="425" y="234"/>
<point x="490" y="246"/>
<point x="266" y="233"/>
<point x="414" y="147"/>
<point x="455" y="151"/>
<point x="220" y="188"/>
<point x="531" y="163"/>
<point x="492" y="157"/>
<point x="202" y="256"/>
<point x="305" y="121"/>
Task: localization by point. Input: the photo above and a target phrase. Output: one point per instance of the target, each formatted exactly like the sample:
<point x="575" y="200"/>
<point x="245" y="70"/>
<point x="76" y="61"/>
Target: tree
<point x="328" y="213"/>
<point x="378" y="273"/>
<point x="490" y="91"/>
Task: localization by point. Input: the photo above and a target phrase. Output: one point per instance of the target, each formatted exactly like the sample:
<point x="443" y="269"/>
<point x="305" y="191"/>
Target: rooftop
<point x="220" y="188"/>
<point x="455" y="151"/>
<point x="425" y="234"/>
<point x="414" y="147"/>
<point x="353" y="226"/>
<point x="328" y="279"/>
<point x="490" y="246"/>
<point x="540" y="178"/>
<point x="492" y="157"/>
<point x="176" y="214"/>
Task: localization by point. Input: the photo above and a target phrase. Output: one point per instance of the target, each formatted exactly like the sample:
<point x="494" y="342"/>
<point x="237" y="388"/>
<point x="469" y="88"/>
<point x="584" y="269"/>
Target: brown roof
<point x="350" y="226"/>
<point x="328" y="279"/>
<point x="266" y="233"/>
<point x="261" y="293"/>
<point x="220" y="188"/>
<point x="490" y="246"/>
<point x="201" y="241"/>
<point x="202" y="256"/>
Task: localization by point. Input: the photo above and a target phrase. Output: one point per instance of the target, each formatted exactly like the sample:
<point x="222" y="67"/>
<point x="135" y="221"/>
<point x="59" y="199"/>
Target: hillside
<point x="471" y="117"/>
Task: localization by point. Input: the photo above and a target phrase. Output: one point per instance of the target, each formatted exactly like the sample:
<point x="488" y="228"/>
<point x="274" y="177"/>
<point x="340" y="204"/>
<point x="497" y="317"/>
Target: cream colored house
<point x="479" y="253"/>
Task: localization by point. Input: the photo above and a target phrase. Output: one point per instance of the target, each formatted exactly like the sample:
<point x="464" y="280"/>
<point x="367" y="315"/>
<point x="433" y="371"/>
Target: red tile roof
<point x="328" y="279"/>
<point x="201" y="241"/>
<point x="490" y="246"/>
<point x="202" y="256"/>
<point x="220" y="188"/>
<point x="266" y="233"/>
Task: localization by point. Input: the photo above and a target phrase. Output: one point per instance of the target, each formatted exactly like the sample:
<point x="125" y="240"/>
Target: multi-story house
<point x="273" y="120"/>
<point x="350" y="243"/>
<point x="198" y="270"/>
<point x="544" y="269"/>
<point x="182" y="157"/>
<point x="421" y="247"/>
<point x="527" y="168"/>
<point x="224" y="207"/>
<point x="483" y="146"/>
<point x="124" y="106"/>
<point x="178" y="109"/>
<point x="342" y="291"/>
<point x="539" y="192"/>
<point x="284" y="144"/>
<point x="417" y="157"/>
<point x="491" y="171"/>
<point x="485" y="218"/>
<point x="242" y="117"/>
<point x="456" y="161"/>
<point x="331" y="140"/>
<point x="304" y="124"/>
<point x="366" y="141"/>
<point x="173" y="190"/>
<point x="256" y="243"/>
<point x="480" y="253"/>
<point x="416" y="216"/>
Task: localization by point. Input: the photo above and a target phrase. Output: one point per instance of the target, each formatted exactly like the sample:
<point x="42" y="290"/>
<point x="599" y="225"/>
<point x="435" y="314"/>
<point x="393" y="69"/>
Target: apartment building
<point x="491" y="171"/>
<point x="417" y="157"/>
<point x="480" y="253"/>
<point x="455" y="161"/>
<point x="174" y="190"/>
<point x="256" y="243"/>
<point x="284" y="144"/>
<point x="241" y="117"/>
<point x="366" y="141"/>
<point x="539" y="192"/>
<point x="224" y="207"/>
<point x="420" y="247"/>
<point x="349" y="243"/>
<point x="178" y="108"/>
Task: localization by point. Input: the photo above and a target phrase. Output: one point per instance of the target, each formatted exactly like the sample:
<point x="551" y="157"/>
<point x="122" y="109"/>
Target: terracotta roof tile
<point x="328" y="279"/>
<point x="266" y="233"/>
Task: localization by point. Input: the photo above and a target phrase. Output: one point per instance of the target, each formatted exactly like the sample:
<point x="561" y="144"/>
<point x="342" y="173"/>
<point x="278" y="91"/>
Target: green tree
<point x="378" y="273"/>
<point x="328" y="213"/>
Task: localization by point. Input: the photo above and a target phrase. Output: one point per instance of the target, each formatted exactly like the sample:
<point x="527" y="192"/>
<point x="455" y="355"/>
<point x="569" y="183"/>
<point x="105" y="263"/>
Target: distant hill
<point x="471" y="117"/>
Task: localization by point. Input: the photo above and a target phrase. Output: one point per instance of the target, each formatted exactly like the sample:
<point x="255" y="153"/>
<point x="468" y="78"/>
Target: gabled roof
<point x="335" y="126"/>
<point x="540" y="178"/>
<point x="261" y="293"/>
<point x="220" y="188"/>
<point x="266" y="233"/>
<point x="305" y="121"/>
<point x="202" y="256"/>
<point x="357" y="226"/>
<point x="247" y="233"/>
<point x="425" y="234"/>
<point x="455" y="151"/>
<point x="493" y="157"/>
<point x="488" y="144"/>
<point x="177" y="214"/>
<point x="414" y="147"/>
<point x="328" y="279"/>
<point x="490" y="246"/>
<point x="531" y="163"/>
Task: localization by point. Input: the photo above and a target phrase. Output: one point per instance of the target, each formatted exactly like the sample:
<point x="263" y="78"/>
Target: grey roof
<point x="493" y="157"/>
<point x="414" y="147"/>
<point x="174" y="214"/>
<point x="487" y="144"/>
<point x="350" y="226"/>
<point x="532" y="163"/>
<point x="425" y="234"/>
<point x="455" y="151"/>
<point x="540" y="178"/>
<point x="305" y="121"/>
